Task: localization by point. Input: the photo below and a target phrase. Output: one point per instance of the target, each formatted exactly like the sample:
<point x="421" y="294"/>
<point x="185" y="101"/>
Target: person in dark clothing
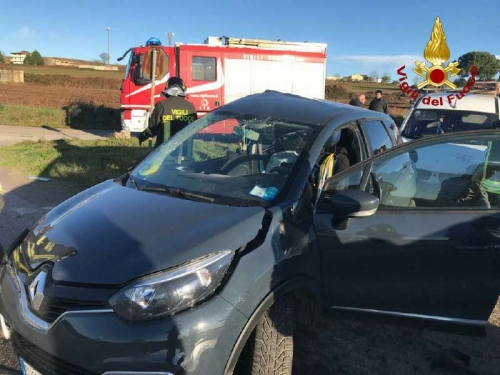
<point x="379" y="104"/>
<point x="171" y="114"/>
<point x="359" y="101"/>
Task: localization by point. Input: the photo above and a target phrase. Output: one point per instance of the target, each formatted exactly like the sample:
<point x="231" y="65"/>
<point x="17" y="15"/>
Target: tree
<point x="386" y="78"/>
<point x="28" y="59"/>
<point x="487" y="64"/>
<point x="416" y="80"/>
<point x="37" y="58"/>
<point x="460" y="82"/>
<point x="104" y="57"/>
<point x="2" y="60"/>
<point x="374" y="76"/>
<point x="34" y="58"/>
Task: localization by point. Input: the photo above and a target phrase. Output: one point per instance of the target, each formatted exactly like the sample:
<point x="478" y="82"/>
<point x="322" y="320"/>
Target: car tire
<point x="272" y="352"/>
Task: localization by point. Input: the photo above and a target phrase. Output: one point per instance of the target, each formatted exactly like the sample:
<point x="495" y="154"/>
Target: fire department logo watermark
<point x="436" y="53"/>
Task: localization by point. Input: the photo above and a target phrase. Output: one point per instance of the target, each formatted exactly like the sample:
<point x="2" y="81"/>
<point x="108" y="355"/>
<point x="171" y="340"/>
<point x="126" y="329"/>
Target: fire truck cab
<point x="218" y="72"/>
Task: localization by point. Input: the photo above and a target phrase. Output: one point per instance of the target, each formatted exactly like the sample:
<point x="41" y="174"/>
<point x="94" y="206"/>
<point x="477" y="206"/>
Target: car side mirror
<point x="354" y="204"/>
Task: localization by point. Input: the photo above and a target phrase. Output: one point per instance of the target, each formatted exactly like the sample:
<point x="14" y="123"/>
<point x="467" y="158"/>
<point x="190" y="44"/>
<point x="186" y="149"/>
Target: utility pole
<point x="109" y="57"/>
<point x="169" y="36"/>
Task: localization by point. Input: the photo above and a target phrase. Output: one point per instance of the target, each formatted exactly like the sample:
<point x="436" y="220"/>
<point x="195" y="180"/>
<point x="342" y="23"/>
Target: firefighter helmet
<point x="175" y="82"/>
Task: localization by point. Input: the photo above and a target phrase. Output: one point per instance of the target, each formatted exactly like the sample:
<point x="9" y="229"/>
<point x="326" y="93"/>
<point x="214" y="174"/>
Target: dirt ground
<point x="344" y="347"/>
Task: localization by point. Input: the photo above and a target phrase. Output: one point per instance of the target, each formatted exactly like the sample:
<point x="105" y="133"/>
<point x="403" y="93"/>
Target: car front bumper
<point x="198" y="341"/>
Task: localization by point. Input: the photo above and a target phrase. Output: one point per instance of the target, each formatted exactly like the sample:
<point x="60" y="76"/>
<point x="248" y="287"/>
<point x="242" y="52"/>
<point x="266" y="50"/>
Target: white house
<point x="18" y="57"/>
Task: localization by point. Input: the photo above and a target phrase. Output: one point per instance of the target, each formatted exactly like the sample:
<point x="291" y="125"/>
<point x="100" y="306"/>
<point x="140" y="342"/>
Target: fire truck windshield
<point x="228" y="158"/>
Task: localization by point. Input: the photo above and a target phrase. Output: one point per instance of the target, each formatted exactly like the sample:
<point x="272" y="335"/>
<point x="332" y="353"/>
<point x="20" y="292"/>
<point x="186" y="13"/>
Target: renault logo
<point x="36" y="289"/>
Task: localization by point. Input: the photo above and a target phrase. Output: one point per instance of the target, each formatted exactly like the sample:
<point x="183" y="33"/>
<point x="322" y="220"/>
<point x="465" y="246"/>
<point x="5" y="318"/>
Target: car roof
<point x="292" y="107"/>
<point x="469" y="102"/>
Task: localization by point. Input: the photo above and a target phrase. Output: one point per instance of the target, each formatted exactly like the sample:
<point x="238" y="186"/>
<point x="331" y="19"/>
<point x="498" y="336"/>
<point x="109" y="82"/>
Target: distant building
<point x="333" y="78"/>
<point x="59" y="62"/>
<point x="356" y="77"/>
<point x="18" y="57"/>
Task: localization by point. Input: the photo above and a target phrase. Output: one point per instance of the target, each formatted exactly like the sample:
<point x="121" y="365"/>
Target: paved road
<point x="14" y="134"/>
<point x="335" y="346"/>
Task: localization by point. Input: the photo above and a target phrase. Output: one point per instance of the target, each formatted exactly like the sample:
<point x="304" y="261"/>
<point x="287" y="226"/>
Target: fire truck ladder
<point x="278" y="44"/>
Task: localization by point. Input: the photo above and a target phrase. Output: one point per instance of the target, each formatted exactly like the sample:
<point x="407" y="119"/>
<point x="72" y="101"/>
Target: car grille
<point x="53" y="308"/>
<point x="44" y="362"/>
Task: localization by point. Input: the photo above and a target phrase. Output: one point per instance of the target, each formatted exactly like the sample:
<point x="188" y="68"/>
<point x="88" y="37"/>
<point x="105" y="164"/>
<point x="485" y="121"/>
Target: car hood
<point x="112" y="234"/>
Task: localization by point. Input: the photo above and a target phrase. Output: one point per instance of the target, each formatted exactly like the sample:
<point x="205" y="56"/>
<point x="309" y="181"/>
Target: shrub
<point x="336" y="92"/>
<point x="85" y="114"/>
<point x="77" y="82"/>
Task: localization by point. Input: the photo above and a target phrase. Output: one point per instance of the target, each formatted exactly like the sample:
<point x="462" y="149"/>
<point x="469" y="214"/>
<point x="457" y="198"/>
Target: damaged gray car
<point x="247" y="223"/>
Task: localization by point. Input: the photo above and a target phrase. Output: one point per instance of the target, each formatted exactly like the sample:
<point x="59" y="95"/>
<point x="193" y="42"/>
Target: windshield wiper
<point x="177" y="193"/>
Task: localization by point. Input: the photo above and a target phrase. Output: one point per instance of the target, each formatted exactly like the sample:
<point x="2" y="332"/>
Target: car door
<point x="433" y="246"/>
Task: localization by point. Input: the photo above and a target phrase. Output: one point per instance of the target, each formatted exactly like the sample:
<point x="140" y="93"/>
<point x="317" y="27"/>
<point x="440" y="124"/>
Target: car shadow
<point x="85" y="114"/>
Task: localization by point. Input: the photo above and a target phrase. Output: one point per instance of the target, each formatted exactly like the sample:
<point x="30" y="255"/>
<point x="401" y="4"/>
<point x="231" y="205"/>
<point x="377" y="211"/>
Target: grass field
<point x="52" y="92"/>
<point x="62" y="70"/>
<point x="16" y="114"/>
<point x="85" y="163"/>
<point x="37" y="105"/>
<point x="54" y="96"/>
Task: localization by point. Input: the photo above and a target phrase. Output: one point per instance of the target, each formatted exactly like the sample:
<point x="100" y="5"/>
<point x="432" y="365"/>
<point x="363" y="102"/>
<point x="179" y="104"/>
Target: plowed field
<point x="55" y="97"/>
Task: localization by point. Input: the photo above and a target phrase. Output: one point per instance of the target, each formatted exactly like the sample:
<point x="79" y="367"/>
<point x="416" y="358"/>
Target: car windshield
<point x="227" y="158"/>
<point x="434" y="121"/>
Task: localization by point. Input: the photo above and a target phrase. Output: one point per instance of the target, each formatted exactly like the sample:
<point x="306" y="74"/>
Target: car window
<point x="392" y="129"/>
<point x="352" y="181"/>
<point x="378" y="138"/>
<point x="453" y="175"/>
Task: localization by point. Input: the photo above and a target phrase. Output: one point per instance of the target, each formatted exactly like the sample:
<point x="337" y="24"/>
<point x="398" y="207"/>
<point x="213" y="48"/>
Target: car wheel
<point x="272" y="352"/>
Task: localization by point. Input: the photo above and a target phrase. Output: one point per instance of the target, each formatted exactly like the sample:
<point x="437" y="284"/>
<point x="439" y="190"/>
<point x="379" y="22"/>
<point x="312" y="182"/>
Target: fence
<point x="11" y="76"/>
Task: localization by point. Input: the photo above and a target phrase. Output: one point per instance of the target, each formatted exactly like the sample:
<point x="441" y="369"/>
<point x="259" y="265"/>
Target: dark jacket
<point x="356" y="102"/>
<point x="379" y="105"/>
<point x="169" y="116"/>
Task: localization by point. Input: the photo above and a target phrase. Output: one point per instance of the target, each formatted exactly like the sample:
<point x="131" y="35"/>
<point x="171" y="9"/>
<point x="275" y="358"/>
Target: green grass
<point x="59" y="70"/>
<point x="14" y="114"/>
<point x="85" y="163"/>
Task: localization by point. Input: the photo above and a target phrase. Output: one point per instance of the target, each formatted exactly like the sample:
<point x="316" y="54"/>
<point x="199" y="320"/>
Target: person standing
<point x="171" y="114"/>
<point x="379" y="104"/>
<point x="358" y="101"/>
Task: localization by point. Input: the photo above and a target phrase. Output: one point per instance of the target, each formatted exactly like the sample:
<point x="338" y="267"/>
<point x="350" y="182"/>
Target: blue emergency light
<point x="153" y="42"/>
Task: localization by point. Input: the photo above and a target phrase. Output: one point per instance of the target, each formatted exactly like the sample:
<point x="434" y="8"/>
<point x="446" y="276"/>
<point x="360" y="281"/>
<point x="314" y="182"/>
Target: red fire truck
<point x="217" y="72"/>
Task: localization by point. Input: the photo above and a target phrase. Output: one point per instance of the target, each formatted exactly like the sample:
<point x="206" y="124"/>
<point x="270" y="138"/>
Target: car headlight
<point x="173" y="290"/>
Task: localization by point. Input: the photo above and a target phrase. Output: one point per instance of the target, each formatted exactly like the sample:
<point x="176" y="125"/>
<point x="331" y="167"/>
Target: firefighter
<point x="171" y="114"/>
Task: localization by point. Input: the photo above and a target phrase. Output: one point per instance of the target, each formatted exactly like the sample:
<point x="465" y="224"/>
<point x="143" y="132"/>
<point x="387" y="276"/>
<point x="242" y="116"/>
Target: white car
<point x="441" y="113"/>
<point x="444" y="113"/>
